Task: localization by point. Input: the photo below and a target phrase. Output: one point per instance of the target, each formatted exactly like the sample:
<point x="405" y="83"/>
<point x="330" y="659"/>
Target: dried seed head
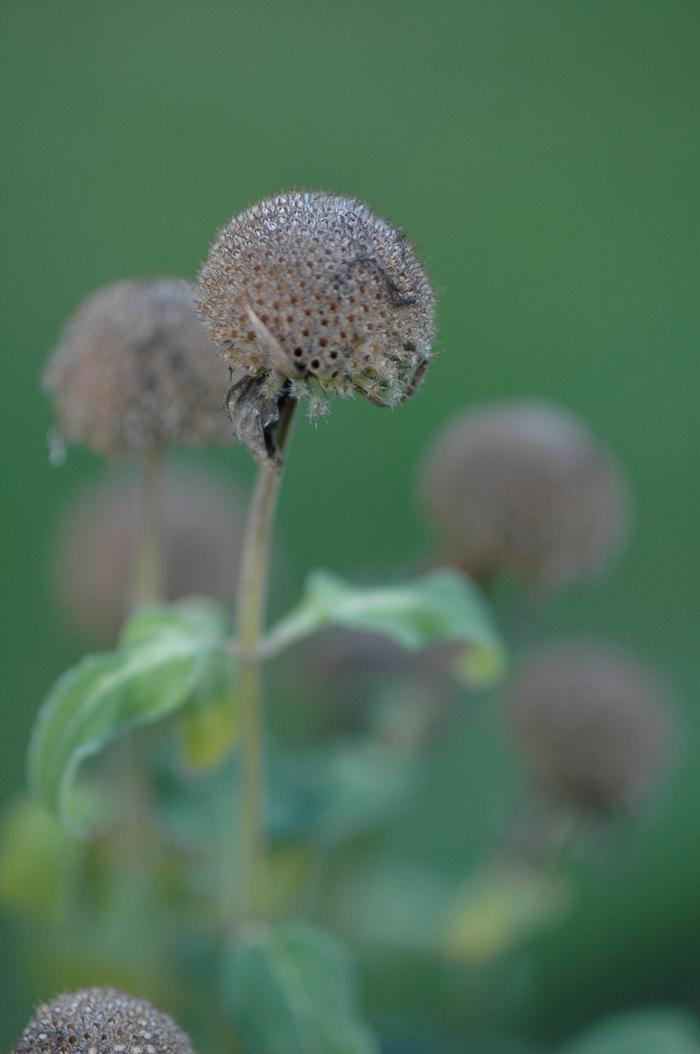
<point x="525" y="489"/>
<point x="201" y="522"/>
<point x="135" y="370"/>
<point x="101" y="1021"/>
<point x="594" y="723"/>
<point x="345" y="671"/>
<point x="317" y="290"/>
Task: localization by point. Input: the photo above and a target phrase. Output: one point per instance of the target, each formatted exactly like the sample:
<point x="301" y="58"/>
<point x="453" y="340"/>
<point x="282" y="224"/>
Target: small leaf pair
<point x="178" y="658"/>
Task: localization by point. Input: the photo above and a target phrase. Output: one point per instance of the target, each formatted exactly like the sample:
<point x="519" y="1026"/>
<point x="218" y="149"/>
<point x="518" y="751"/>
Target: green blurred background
<point x="544" y="154"/>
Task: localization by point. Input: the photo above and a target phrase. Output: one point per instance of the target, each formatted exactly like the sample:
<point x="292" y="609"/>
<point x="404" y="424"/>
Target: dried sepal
<point x="254" y="405"/>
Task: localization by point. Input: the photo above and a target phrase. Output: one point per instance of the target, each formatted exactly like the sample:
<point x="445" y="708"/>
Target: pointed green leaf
<point x="290" y="991"/>
<point x="165" y="654"/>
<point x="441" y="607"/>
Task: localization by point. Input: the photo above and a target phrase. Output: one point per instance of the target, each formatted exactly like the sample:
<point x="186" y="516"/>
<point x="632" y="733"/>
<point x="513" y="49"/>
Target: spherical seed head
<point x="345" y="669"/>
<point x="594" y="723"/>
<point x="201" y="523"/>
<point x="135" y="369"/>
<point x="101" y="1021"/>
<point x="525" y="489"/>
<point x="318" y="290"/>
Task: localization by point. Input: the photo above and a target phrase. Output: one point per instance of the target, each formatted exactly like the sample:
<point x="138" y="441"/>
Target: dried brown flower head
<point x="201" y="524"/>
<point x="317" y="291"/>
<point x="101" y="1021"/>
<point x="594" y="723"/>
<point x="135" y="370"/>
<point x="525" y="489"/>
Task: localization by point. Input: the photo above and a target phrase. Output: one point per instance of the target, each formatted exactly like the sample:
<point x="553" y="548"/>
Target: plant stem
<point x="250" y="615"/>
<point x="146" y="588"/>
<point x="295" y="626"/>
<point x="147" y="583"/>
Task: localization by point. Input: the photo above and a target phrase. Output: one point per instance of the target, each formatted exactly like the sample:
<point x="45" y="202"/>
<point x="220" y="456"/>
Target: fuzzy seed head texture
<point x="594" y="723"/>
<point x="526" y="490"/>
<point x="101" y="1021"/>
<point x="135" y="370"/>
<point x="200" y="520"/>
<point x="316" y="290"/>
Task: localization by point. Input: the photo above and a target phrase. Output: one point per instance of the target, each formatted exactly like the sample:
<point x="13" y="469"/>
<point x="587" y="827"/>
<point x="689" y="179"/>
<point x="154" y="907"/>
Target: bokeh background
<point x="544" y="156"/>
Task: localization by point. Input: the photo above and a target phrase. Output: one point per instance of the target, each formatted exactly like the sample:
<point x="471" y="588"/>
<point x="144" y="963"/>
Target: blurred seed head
<point x="201" y="520"/>
<point x="316" y="290"/>
<point x="354" y="681"/>
<point x="344" y="671"/>
<point x="594" y="723"/>
<point x="101" y="1021"/>
<point x="135" y="370"/>
<point x="525" y="489"/>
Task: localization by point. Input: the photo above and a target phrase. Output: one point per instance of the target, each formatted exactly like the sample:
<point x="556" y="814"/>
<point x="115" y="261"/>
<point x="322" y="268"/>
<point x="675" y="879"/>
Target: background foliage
<point x="542" y="153"/>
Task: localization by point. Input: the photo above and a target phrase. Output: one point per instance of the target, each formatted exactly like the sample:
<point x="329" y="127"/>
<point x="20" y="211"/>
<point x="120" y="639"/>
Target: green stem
<point x="293" y="627"/>
<point x="146" y="588"/>
<point x="250" y="615"/>
<point x="147" y="583"/>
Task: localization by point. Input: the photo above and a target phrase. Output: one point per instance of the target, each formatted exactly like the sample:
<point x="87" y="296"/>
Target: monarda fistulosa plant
<point x="206" y="861"/>
<point x="305" y="296"/>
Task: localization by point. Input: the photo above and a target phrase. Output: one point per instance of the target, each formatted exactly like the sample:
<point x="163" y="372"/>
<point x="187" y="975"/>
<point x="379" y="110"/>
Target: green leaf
<point x="37" y="862"/>
<point x="393" y="905"/>
<point x="644" y="1032"/>
<point x="165" y="655"/>
<point x="289" y="990"/>
<point x="208" y="731"/>
<point x="495" y="910"/>
<point x="441" y="607"/>
<point x="360" y="787"/>
<point x="331" y="794"/>
<point x="198" y="617"/>
<point x="209" y="723"/>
